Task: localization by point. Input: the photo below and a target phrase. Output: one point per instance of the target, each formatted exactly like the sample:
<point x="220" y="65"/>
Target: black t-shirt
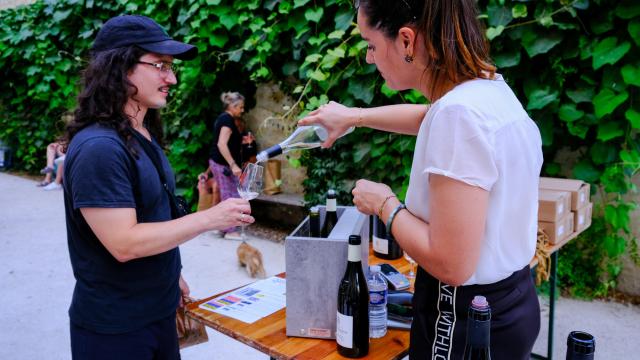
<point x="112" y="297"/>
<point x="235" y="140"/>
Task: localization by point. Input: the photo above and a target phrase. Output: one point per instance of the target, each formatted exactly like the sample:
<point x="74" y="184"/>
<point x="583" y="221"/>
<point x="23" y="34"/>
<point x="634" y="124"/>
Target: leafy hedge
<point x="574" y="64"/>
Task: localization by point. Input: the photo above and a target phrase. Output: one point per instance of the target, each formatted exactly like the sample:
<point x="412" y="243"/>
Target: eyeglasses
<point x="163" y="67"/>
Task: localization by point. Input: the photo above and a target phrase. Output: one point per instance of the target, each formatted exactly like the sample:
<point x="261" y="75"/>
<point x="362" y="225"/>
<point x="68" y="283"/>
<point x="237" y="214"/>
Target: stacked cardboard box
<point x="564" y="207"/>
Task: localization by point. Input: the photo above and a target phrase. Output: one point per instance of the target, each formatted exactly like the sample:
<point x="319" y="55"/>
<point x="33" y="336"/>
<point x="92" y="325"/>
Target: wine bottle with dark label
<point x="385" y="245"/>
<point x="580" y="346"/>
<point x="314" y="222"/>
<point x="352" y="329"/>
<point x="331" y="217"/>
<point x="478" y="330"/>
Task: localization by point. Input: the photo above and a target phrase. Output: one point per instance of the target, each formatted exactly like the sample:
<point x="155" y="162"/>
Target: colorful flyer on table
<point x="252" y="302"/>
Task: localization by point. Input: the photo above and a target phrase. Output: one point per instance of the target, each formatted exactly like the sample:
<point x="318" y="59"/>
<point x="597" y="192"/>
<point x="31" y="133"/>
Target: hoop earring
<point x="408" y="59"/>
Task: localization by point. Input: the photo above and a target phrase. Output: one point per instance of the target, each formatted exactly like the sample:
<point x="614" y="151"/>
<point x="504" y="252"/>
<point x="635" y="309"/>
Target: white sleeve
<point x="459" y="148"/>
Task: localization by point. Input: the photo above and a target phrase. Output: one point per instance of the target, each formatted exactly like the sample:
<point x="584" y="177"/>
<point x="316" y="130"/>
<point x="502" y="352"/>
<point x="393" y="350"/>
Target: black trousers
<point x="156" y="341"/>
<point x="440" y="317"/>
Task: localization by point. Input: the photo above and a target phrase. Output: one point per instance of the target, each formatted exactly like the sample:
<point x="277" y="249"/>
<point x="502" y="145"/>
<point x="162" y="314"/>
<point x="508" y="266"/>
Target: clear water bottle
<point x="377" y="303"/>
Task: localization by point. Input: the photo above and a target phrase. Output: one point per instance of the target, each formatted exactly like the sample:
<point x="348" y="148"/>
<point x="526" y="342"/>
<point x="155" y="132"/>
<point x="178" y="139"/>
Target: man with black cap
<point x="122" y="224"/>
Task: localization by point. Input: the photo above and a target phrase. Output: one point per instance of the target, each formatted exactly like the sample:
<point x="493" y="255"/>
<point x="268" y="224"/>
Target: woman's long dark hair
<point x="457" y="49"/>
<point x="105" y="91"/>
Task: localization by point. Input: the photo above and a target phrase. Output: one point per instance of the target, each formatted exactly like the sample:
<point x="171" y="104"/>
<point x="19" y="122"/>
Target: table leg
<point x="552" y="302"/>
<point x="552" y="307"/>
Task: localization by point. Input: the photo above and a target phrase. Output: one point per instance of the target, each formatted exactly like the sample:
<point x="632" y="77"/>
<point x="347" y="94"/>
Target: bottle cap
<point x="580" y="342"/>
<point x="374" y="269"/>
<point x="479" y="302"/>
<point x="331" y="194"/>
<point x="354" y="240"/>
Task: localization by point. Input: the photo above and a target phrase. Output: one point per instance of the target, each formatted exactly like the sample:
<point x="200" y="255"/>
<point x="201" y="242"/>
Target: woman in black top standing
<point x="226" y="151"/>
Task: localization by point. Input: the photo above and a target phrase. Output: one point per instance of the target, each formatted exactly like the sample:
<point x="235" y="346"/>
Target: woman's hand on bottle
<point x="235" y="169"/>
<point x="334" y="117"/>
<point x="229" y="213"/>
<point x="368" y="196"/>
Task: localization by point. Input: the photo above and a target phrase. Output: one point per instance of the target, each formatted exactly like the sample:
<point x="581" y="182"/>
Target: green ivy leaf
<point x="586" y="172"/>
<point x="299" y="3"/>
<point x="614" y="245"/>
<point x="361" y="90"/>
<point x="362" y="150"/>
<point x="602" y="153"/>
<point x="387" y="91"/>
<point x="536" y="43"/>
<point x="312" y="58"/>
<point x="608" y="52"/>
<point x="630" y="157"/>
<point x="628" y="9"/>
<point x="569" y="113"/>
<point x="631" y="74"/>
<point x="606" y="101"/>
<point x="609" y="130"/>
<point x="540" y="98"/>
<point x="314" y="15"/>
<point x="318" y="75"/>
<point x="218" y="40"/>
<point x="519" y="11"/>
<point x="633" y="117"/>
<point x="499" y="15"/>
<point x="581" y="95"/>
<point x="494" y="32"/>
<point x="509" y="59"/>
<point x="634" y="31"/>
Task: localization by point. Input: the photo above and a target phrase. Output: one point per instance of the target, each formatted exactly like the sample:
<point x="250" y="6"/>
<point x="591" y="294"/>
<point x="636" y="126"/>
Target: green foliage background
<point x="574" y="65"/>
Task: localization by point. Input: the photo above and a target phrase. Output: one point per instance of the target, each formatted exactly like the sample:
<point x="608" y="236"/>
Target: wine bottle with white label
<point x="352" y="329"/>
<point x="304" y="137"/>
<point x="385" y="245"/>
<point x="331" y="217"/>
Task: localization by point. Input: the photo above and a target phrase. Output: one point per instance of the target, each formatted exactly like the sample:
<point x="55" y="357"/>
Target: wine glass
<point x="411" y="274"/>
<point x="250" y="184"/>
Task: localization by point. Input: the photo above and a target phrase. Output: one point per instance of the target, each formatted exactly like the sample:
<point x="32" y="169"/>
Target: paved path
<point x="36" y="283"/>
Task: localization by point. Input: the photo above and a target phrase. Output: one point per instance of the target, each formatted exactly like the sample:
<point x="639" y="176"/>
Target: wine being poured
<point x="250" y="184"/>
<point x="304" y="137"/>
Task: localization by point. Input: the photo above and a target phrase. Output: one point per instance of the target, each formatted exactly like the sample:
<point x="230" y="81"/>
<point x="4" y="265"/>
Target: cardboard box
<point x="580" y="190"/>
<point x="315" y="267"/>
<point x="553" y="205"/>
<point x="558" y="230"/>
<point x="583" y="218"/>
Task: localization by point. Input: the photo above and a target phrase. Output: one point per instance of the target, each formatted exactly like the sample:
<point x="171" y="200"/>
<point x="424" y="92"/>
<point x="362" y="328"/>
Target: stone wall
<point x="269" y="130"/>
<point x="629" y="280"/>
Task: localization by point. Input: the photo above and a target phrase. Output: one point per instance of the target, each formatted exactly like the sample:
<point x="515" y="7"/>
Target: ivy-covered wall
<point x="573" y="64"/>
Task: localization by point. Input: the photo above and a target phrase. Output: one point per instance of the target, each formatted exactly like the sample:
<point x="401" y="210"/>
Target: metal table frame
<point x="552" y="306"/>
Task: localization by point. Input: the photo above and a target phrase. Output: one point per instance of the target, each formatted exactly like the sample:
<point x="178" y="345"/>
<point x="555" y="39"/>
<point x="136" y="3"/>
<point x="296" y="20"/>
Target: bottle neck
<point x="332" y="205"/>
<point x="478" y="333"/>
<point x="354" y="254"/>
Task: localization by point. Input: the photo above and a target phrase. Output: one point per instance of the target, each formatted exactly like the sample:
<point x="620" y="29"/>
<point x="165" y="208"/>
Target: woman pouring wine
<point x="471" y="207"/>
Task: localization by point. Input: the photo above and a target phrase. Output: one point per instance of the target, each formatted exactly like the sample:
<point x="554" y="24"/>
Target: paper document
<point x="252" y="302"/>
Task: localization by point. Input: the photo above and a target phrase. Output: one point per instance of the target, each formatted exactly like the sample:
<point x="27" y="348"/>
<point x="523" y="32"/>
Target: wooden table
<point x="268" y="334"/>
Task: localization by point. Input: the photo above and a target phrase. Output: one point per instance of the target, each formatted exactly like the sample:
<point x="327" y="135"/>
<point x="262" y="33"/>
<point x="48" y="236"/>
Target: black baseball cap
<point x="127" y="30"/>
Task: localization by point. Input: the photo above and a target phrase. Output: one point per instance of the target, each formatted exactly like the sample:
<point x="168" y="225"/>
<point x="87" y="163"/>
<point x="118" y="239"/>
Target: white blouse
<point x="479" y="133"/>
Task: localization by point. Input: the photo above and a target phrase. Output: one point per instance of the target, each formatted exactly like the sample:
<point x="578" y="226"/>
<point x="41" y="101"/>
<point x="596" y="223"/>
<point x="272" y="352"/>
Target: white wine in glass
<point x="250" y="184"/>
<point x="412" y="264"/>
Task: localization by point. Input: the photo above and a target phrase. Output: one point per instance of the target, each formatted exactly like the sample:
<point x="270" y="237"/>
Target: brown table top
<point x="268" y="334"/>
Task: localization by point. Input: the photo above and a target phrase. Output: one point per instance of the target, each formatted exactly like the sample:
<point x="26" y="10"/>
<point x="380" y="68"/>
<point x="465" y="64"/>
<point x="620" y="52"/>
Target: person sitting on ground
<point x="54" y="151"/>
<point x="57" y="183"/>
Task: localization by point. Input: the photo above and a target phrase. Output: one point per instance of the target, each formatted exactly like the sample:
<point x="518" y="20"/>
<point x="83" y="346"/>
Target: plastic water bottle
<point x="377" y="303"/>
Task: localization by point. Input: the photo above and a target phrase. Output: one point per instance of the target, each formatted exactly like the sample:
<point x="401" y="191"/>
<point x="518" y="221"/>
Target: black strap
<point x="155" y="159"/>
